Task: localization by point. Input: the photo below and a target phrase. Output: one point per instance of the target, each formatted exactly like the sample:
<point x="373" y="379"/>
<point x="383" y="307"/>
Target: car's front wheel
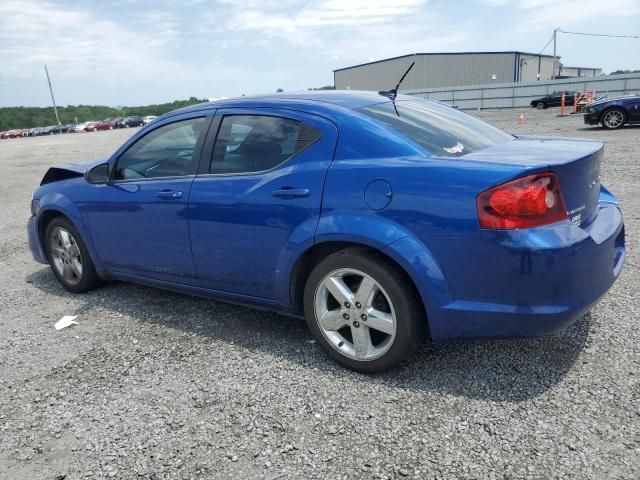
<point x="69" y="257"/>
<point x="363" y="310"/>
<point x="613" y="118"/>
<point x="540" y="105"/>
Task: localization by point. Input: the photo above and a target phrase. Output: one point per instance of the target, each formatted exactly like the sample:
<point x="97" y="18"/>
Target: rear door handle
<point x="169" y="195"/>
<point x="288" y="193"/>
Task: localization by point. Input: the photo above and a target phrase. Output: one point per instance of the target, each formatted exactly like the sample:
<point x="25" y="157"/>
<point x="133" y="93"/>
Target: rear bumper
<point x="34" y="241"/>
<point x="530" y="282"/>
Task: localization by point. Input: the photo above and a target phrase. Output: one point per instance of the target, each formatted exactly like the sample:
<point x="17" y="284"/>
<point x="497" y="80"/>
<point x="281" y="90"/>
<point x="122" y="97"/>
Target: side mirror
<point x="98" y="174"/>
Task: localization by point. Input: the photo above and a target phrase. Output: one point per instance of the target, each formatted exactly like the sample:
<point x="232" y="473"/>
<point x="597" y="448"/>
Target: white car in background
<point x="81" y="127"/>
<point x="148" y="118"/>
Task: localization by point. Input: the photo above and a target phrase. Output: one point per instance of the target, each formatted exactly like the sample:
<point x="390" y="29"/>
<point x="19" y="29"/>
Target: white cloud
<point x="75" y="41"/>
<point x="568" y="12"/>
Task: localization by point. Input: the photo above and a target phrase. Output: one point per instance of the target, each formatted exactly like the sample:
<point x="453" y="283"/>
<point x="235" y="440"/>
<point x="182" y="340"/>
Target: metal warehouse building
<point x="446" y="70"/>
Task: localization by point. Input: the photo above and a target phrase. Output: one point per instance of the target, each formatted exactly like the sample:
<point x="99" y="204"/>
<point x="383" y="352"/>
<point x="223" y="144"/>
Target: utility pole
<point x="55" y="109"/>
<point x="555" y="34"/>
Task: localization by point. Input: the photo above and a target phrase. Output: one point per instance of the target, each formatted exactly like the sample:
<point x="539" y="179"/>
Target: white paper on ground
<point x="66" y="321"/>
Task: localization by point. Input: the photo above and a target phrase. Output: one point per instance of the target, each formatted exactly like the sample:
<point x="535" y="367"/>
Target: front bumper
<point x="591" y="118"/>
<point x="34" y="241"/>
<point x="530" y="282"/>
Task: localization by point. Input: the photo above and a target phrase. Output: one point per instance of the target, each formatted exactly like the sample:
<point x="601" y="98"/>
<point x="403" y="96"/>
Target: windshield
<point x="440" y="129"/>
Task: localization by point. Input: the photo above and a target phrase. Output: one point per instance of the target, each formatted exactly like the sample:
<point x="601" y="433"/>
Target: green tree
<point x="29" y="117"/>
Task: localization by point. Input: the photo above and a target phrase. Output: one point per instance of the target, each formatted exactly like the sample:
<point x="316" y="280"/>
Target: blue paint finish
<point x="242" y="229"/>
<point x="234" y="237"/>
<point x="378" y="194"/>
<point x="156" y="242"/>
<point x="35" y="246"/>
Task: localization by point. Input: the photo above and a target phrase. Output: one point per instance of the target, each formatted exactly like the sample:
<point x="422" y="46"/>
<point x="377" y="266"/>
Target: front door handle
<point x="169" y="195"/>
<point x="289" y="193"/>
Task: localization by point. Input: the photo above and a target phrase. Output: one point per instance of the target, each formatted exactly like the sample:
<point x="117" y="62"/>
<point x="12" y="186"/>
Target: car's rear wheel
<point x="363" y="311"/>
<point x="540" y="105"/>
<point x="613" y="118"/>
<point x="69" y="257"/>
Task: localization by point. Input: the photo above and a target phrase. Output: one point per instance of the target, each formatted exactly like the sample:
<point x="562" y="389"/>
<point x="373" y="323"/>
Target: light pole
<point x="555" y="34"/>
<point x="55" y="109"/>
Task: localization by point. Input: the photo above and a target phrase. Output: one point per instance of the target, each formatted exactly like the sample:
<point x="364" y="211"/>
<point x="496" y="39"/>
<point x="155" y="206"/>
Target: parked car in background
<point x="107" y="124"/>
<point x="379" y="218"/>
<point x="135" y="121"/>
<point x="148" y="119"/>
<point x="90" y="126"/>
<point x="554" y="100"/>
<point x="614" y="113"/>
<point x="79" y="128"/>
<point x="4" y="135"/>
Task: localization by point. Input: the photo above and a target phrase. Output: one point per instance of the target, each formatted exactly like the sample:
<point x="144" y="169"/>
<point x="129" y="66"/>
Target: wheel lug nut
<point x="356" y="324"/>
<point x="358" y="305"/>
<point x="345" y="316"/>
<point x="363" y="317"/>
<point x="347" y="305"/>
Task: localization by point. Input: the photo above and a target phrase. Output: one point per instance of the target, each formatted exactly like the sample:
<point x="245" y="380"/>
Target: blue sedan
<point x="614" y="113"/>
<point x="380" y="219"/>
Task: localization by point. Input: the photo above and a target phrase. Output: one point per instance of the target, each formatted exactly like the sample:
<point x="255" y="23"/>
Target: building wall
<point x="580" y="72"/>
<point x="529" y="68"/>
<point x="435" y="70"/>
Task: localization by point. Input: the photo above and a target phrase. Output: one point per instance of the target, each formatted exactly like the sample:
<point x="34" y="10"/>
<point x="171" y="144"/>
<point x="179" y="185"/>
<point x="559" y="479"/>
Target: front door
<point x="258" y="194"/>
<point x="139" y="220"/>
<point x="634" y="110"/>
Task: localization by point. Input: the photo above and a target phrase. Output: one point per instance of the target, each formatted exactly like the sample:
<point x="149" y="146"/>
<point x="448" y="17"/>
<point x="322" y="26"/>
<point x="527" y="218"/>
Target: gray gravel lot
<point x="156" y="385"/>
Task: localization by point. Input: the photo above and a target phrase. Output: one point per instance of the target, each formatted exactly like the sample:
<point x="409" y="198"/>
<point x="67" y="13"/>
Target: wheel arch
<point x="48" y="213"/>
<point x="392" y="253"/>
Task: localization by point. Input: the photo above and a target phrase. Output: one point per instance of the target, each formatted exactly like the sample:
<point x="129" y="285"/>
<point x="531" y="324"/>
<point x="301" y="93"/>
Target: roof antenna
<point x="394" y="93"/>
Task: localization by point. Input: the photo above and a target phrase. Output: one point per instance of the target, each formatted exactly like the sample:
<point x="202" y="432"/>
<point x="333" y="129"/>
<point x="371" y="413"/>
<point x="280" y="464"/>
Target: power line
<point x="598" y="35"/>
<point x="545" y="47"/>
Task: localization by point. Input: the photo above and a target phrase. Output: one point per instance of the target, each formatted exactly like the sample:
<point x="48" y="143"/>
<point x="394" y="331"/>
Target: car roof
<point x="318" y="101"/>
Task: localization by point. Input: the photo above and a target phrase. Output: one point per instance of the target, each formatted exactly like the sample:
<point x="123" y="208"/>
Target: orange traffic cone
<point x="521" y="119"/>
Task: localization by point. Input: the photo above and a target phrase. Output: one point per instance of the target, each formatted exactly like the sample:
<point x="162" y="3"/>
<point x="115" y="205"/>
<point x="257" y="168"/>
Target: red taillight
<point x="523" y="203"/>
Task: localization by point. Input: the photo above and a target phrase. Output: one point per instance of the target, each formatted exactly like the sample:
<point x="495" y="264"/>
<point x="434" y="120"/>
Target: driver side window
<point x="167" y="151"/>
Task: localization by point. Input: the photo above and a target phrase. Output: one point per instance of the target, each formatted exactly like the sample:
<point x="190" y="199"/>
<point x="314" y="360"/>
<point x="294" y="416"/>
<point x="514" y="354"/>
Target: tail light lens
<point x="523" y="203"/>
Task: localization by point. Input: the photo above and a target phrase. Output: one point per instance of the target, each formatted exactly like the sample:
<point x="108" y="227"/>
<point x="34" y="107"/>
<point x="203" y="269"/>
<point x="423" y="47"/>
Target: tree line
<point x="30" y="117"/>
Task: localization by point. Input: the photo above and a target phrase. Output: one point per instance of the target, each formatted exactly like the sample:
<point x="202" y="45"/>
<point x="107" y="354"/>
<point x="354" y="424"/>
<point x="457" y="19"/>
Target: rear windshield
<point x="442" y="130"/>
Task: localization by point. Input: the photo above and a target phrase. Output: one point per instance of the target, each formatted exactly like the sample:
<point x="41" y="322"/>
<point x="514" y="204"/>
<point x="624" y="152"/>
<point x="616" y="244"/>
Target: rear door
<point x="257" y="194"/>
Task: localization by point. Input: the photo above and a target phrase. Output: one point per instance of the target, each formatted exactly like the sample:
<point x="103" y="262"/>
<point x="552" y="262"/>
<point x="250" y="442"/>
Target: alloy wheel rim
<point x="66" y="256"/>
<point x="613" y="119"/>
<point x="355" y="314"/>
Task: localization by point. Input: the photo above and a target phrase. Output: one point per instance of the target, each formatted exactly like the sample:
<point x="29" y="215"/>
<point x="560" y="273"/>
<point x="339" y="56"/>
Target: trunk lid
<point x="576" y="163"/>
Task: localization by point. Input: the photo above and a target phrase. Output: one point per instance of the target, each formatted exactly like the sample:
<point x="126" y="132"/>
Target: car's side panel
<point x="429" y="196"/>
<point x="633" y="110"/>
<point x="153" y="214"/>
<point x="243" y="230"/>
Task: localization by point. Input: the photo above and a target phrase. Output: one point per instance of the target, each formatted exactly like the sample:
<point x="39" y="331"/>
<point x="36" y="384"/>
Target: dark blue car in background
<point x="614" y="113"/>
<point x="379" y="218"/>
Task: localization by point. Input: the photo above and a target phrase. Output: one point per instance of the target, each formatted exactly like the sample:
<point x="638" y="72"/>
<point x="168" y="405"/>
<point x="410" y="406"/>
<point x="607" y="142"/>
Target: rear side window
<point x="255" y="143"/>
<point x="441" y="130"/>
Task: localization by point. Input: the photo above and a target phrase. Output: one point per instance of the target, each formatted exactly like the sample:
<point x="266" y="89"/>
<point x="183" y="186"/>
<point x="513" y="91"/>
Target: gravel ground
<point x="156" y="385"/>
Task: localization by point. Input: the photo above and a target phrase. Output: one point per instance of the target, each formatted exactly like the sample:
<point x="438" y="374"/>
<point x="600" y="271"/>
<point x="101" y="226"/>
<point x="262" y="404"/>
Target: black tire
<point x="620" y="113"/>
<point x="541" y="105"/>
<point x="410" y="321"/>
<point x="89" y="279"/>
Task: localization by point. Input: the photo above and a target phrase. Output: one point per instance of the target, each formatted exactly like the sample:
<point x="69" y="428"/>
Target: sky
<point x="136" y="52"/>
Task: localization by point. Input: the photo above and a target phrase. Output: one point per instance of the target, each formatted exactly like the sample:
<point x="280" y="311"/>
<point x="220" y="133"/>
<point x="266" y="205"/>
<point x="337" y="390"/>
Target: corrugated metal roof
<point x="445" y="53"/>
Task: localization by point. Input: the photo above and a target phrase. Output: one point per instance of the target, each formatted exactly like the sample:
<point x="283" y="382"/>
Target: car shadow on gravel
<point x="493" y="370"/>
<point x="599" y="128"/>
